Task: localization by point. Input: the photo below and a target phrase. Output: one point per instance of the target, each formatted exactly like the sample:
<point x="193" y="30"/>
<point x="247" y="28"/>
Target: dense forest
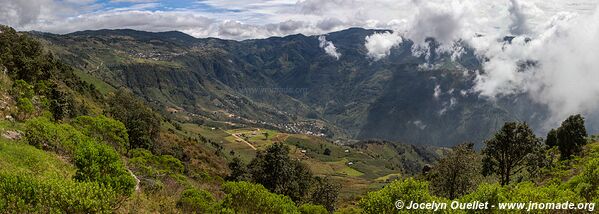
<point x="69" y="147"/>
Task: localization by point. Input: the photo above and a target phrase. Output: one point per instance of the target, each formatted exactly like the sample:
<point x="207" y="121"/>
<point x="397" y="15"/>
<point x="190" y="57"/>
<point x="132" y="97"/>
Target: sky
<point x="559" y="36"/>
<point x="241" y="19"/>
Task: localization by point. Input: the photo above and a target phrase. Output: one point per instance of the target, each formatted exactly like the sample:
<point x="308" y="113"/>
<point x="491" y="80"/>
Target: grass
<point x="102" y="86"/>
<point x="20" y="158"/>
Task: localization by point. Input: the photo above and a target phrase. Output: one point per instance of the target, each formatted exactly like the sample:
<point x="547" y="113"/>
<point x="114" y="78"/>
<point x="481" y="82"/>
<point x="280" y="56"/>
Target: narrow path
<point x="136" y="180"/>
<point x="242" y="140"/>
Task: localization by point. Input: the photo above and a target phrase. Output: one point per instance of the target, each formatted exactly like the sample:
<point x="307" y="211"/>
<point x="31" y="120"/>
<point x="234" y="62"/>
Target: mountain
<point x="289" y="83"/>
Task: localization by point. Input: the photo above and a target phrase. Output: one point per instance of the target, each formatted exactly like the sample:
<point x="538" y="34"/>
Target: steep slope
<point x="290" y="83"/>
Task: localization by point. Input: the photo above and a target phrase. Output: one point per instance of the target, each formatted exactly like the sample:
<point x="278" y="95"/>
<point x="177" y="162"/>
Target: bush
<point x="586" y="184"/>
<point x="383" y="201"/>
<point x="197" y="201"/>
<point x="44" y="134"/>
<point x="105" y="129"/>
<point x="100" y="163"/>
<point x="152" y="165"/>
<point x="244" y="197"/>
<point x="24" y="194"/>
<point x="26" y="108"/>
<point x="312" y="209"/>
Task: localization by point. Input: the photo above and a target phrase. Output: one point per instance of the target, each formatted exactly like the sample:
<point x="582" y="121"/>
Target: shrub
<point x="100" y="163"/>
<point x="105" y="129"/>
<point x="586" y="184"/>
<point x="197" y="201"/>
<point x="383" y="201"/>
<point x="24" y="194"/>
<point x="25" y="108"/>
<point x="244" y="197"/>
<point x="153" y="165"/>
<point x="44" y="134"/>
<point x="312" y="209"/>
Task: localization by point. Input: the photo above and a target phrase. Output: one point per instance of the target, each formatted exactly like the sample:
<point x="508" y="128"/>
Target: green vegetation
<point x="507" y="153"/>
<point x="73" y="149"/>
<point x="571" y="136"/>
<point x="457" y="173"/>
<point x="142" y="124"/>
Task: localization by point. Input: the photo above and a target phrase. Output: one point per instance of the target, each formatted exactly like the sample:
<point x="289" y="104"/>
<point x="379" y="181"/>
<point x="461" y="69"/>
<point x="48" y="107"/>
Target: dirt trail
<point x="136" y="180"/>
<point x="242" y="140"/>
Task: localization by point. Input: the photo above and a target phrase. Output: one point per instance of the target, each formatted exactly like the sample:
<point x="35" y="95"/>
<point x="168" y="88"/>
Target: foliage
<point x="153" y="165"/>
<point x="551" y="140"/>
<point x="197" y="201"/>
<point x="24" y="194"/>
<point x="104" y="129"/>
<point x="507" y="152"/>
<point x="239" y="171"/>
<point x="586" y="184"/>
<point x="456" y="174"/>
<point x="62" y="104"/>
<point x="61" y="138"/>
<point x="280" y="174"/>
<point x="100" y="163"/>
<point x="383" y="201"/>
<point x="571" y="136"/>
<point x="25" y="108"/>
<point x="244" y="197"/>
<point x="143" y="125"/>
<point x="324" y="193"/>
<point x="312" y="209"/>
<point x="22" y="89"/>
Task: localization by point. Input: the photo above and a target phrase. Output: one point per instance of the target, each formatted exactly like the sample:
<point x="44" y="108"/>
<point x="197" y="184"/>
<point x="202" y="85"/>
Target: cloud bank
<point x="553" y="61"/>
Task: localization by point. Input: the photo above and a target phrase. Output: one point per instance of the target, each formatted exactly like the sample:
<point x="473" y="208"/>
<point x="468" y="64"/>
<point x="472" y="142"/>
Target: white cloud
<point x="379" y="44"/>
<point x="566" y="73"/>
<point x="328" y="47"/>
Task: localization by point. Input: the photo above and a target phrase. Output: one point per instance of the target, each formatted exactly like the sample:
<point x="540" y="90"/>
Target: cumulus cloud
<point x="328" y="47"/>
<point x="558" y="67"/>
<point x="379" y="44"/>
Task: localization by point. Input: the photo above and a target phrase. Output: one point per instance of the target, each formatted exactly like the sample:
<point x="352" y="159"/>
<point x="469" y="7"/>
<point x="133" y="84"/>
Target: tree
<point x="506" y="153"/>
<point x="327" y="151"/>
<point x="571" y="136"/>
<point x="551" y="140"/>
<point x="143" y="125"/>
<point x="239" y="171"/>
<point x="280" y="174"/>
<point x="325" y="193"/>
<point x="265" y="135"/>
<point x="456" y="174"/>
<point x="62" y="104"/>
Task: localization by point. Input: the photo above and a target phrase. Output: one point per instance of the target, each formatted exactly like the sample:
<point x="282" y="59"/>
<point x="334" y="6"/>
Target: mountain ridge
<point x="301" y="88"/>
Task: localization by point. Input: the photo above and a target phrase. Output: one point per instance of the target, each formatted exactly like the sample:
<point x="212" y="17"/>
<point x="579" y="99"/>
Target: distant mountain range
<point x="290" y="83"/>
